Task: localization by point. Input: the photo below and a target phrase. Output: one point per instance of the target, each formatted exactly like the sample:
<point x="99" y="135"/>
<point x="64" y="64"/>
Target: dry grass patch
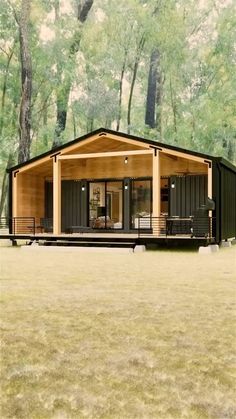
<point x="147" y="335"/>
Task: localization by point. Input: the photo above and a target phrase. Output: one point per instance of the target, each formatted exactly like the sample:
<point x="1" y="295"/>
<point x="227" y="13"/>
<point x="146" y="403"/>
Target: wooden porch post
<point x="209" y="180"/>
<point x="15" y="185"/>
<point x="209" y="194"/>
<point x="14" y="194"/>
<point x="156" y="191"/>
<point x="56" y="196"/>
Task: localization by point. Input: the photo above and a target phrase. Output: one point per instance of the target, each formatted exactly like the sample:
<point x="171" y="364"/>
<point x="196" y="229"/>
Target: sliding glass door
<point x="141" y="202"/>
<point x="106" y="205"/>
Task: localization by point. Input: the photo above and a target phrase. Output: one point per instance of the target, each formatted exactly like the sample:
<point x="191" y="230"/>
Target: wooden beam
<point x="209" y="179"/>
<point x="185" y="155"/>
<point x="127" y="140"/>
<point x="104" y="135"/>
<point x="56" y="197"/>
<point x="156" y="191"/>
<point x="34" y="164"/>
<point x="79" y="144"/>
<point x="106" y="154"/>
<point x="14" y="194"/>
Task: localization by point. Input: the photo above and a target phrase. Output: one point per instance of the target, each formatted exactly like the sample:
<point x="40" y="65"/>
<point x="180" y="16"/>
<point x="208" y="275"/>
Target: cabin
<point x="114" y="185"/>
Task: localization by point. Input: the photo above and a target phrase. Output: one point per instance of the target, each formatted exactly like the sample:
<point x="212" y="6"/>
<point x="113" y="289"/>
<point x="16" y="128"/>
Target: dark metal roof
<point x="121" y="134"/>
<point x="226" y="163"/>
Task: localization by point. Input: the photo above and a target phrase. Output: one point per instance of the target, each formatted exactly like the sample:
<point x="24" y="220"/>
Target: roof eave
<point x="120" y="134"/>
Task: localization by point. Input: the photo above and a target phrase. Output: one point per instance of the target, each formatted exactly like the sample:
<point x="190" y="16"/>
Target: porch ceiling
<point x="103" y="166"/>
<point x="45" y="169"/>
<point x="107" y="167"/>
<point x="104" y="144"/>
<point x="178" y="166"/>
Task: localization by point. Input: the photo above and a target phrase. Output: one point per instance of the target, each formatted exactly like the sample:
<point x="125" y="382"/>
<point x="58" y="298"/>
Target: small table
<point x="33" y="229"/>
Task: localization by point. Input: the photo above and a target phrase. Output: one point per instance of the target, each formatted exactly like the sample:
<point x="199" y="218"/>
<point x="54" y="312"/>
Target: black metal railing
<point x="17" y="225"/>
<point x="166" y="226"/>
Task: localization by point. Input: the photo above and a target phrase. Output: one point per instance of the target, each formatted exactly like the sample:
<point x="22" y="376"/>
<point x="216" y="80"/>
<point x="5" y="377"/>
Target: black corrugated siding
<point x="48" y="200"/>
<point x="189" y="194"/>
<point x="70" y="203"/>
<point x="228" y="203"/>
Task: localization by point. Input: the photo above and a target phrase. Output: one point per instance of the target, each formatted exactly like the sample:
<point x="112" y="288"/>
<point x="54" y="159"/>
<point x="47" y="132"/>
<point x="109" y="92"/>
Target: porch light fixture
<point x="126" y="160"/>
<point x="126" y="187"/>
<point x="173" y="185"/>
<point x="83" y="188"/>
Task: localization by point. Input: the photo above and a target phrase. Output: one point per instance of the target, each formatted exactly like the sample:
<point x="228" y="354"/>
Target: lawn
<point x="96" y="335"/>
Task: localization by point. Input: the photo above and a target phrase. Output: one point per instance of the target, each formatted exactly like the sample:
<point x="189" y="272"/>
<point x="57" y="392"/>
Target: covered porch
<point x="132" y="188"/>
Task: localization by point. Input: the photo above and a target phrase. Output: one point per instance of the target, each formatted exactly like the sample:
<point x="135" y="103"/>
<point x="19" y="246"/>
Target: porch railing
<point x="17" y="225"/>
<point x="166" y="226"/>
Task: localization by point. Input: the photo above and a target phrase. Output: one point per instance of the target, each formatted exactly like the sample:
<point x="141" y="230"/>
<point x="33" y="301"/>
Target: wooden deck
<point x="108" y="238"/>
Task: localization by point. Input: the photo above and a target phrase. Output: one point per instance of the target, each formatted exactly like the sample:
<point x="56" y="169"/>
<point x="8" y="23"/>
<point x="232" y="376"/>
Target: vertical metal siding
<point x="216" y="196"/>
<point x="127" y="204"/>
<point x="84" y="205"/>
<point x="70" y="203"/>
<point x="228" y="203"/>
<point x="48" y="200"/>
<point x="189" y="194"/>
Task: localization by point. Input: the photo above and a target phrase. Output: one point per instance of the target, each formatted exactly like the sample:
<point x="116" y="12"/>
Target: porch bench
<point x="77" y="229"/>
<point x="179" y="225"/>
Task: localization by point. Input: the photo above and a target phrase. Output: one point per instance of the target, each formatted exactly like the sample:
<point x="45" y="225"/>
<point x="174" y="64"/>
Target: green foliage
<point x="196" y="42"/>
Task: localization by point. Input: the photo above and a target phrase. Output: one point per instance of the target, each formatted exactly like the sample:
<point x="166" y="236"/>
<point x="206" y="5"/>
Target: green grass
<point x="96" y="335"/>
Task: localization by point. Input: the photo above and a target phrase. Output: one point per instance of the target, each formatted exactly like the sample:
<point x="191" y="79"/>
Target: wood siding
<point x="105" y="144"/>
<point x="109" y="167"/>
<point x="30" y="196"/>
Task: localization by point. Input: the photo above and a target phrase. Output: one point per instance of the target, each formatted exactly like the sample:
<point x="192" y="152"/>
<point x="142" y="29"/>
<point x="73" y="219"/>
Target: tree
<point x="26" y="82"/>
<point x="152" y="118"/>
<point x="139" y="51"/>
<point x="63" y="91"/>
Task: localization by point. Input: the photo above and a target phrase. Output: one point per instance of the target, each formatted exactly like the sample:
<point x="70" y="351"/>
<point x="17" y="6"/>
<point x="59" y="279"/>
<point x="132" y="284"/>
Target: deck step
<point x="90" y="244"/>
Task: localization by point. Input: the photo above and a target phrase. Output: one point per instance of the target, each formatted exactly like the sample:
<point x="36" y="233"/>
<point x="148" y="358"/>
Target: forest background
<point x="159" y="69"/>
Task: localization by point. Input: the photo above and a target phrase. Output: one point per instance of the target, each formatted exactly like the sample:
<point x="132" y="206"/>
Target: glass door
<point x="141" y="203"/>
<point x="114" y="204"/>
<point x="97" y="204"/>
<point x="106" y="205"/>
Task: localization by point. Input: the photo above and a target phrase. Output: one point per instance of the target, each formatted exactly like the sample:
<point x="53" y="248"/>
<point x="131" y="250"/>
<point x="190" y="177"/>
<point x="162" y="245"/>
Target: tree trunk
<point x="62" y="103"/>
<point x="63" y="94"/>
<point x="231" y="150"/>
<point x="136" y="64"/>
<point x="174" y="109"/>
<point x="159" y="96"/>
<point x="4" y="188"/>
<point x="90" y="122"/>
<point x="26" y="83"/>
<point x="45" y="123"/>
<point x="4" y="88"/>
<point x="74" y="123"/>
<point x="152" y="91"/>
<point x="108" y="123"/>
<point x="121" y="90"/>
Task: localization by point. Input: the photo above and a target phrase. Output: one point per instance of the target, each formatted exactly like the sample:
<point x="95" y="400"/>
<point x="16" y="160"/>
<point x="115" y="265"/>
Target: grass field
<point x="96" y="335"/>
